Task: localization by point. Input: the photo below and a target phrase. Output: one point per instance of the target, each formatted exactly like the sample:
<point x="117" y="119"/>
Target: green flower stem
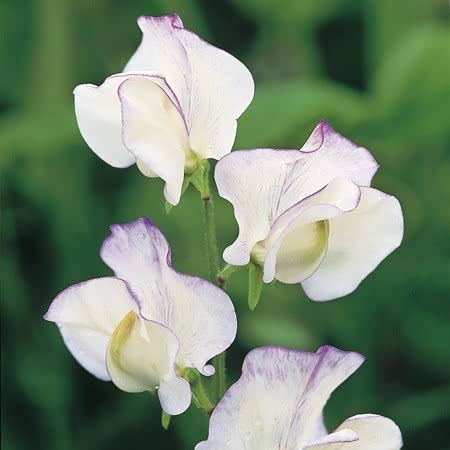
<point x="210" y="229"/>
<point x="200" y="396"/>
<point x="226" y="273"/>
<point x="219" y="380"/>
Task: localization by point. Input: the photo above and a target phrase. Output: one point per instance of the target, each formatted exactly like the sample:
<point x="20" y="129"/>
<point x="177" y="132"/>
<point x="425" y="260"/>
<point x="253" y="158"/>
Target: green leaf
<point x="165" y="420"/>
<point x="255" y="284"/>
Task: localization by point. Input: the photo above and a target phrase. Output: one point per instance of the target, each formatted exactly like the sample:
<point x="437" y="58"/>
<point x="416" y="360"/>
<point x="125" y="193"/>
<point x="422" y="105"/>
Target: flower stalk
<point x="219" y="385"/>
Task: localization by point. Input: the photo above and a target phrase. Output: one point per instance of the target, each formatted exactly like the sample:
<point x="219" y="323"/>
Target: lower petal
<point x="174" y="394"/>
<point x="299" y="238"/>
<point x="373" y="433"/>
<point x="141" y="356"/>
<point x="358" y="242"/>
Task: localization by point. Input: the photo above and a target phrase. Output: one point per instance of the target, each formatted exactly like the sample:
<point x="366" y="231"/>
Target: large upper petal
<point x="87" y="314"/>
<point x="99" y="117"/>
<point x="154" y="131"/>
<point x="373" y="433"/>
<point x="262" y="184"/>
<point x="141" y="355"/>
<point x="279" y="398"/>
<point x="199" y="313"/>
<point x="357" y="243"/>
<point x="212" y="86"/>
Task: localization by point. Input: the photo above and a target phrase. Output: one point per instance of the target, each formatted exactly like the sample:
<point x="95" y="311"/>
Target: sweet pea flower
<point x="142" y="328"/>
<point x="309" y="216"/>
<point x="175" y="104"/>
<point x="278" y="401"/>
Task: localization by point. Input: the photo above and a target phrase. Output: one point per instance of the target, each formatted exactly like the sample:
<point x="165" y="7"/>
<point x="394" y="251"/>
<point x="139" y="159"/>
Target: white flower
<point x="278" y="401"/>
<point x="143" y="328"/>
<point x="308" y="216"/>
<point x="175" y="104"/>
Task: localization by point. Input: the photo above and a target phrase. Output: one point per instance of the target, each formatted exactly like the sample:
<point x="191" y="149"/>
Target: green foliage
<point x="58" y="200"/>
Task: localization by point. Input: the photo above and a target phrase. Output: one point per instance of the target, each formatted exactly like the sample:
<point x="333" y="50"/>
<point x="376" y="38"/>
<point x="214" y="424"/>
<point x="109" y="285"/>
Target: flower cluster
<point x="305" y="216"/>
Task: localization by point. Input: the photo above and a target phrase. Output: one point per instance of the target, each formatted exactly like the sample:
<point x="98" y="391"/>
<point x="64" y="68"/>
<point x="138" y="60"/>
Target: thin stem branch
<point x="226" y="273"/>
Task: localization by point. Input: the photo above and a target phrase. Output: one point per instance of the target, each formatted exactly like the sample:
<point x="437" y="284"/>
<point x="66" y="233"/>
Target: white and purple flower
<point x="143" y="327"/>
<point x="175" y="104"/>
<point x="278" y="402"/>
<point x="309" y="216"/>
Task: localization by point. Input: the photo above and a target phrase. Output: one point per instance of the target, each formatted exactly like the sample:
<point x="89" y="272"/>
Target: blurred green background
<point x="377" y="70"/>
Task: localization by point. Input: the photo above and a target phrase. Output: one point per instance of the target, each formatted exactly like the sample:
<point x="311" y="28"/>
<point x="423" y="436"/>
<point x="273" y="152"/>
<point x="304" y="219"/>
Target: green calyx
<point x="200" y="397"/>
<point x="197" y="175"/>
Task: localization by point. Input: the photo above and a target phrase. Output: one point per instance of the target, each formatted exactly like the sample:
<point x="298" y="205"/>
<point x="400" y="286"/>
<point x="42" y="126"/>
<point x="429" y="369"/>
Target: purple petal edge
<point x="174" y="19"/>
<point x="79" y="285"/>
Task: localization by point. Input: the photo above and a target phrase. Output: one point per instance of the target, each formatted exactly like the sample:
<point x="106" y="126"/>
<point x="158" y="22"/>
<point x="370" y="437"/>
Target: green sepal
<point x="196" y="401"/>
<point x="255" y="284"/>
<point x="169" y="207"/>
<point x="165" y="420"/>
<point x="191" y="375"/>
<point x="197" y="179"/>
<point x="200" y="397"/>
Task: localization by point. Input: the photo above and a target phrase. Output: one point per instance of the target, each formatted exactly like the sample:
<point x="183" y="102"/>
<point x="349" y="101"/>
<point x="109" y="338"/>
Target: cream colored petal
<point x="141" y="356"/>
<point x="298" y="240"/>
<point x="373" y="433"/>
<point x="358" y="242"/>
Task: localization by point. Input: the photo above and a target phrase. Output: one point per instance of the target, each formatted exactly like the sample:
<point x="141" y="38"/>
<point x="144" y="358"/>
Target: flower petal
<point x="252" y="181"/>
<point x="155" y="132"/>
<point x="358" y="242"/>
<point x="199" y="313"/>
<point x="99" y="117"/>
<point x="141" y="355"/>
<point x="355" y="162"/>
<point x="279" y="398"/>
<point x="213" y="87"/>
<point x="338" y="438"/>
<point x="374" y="433"/>
<point x="299" y="237"/>
<point x="87" y="314"/>
<point x="262" y="184"/>
<point x="161" y="51"/>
